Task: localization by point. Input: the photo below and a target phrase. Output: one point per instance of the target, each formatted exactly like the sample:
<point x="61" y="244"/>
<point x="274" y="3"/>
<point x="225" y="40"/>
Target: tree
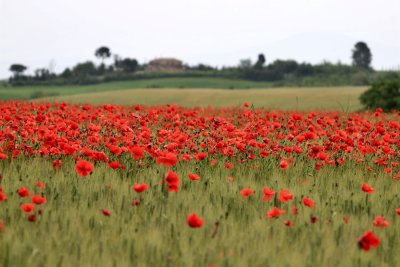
<point x="84" y="69"/>
<point x="42" y="74"/>
<point x="126" y="65"/>
<point x="383" y="94"/>
<point x="17" y="69"/>
<point x="283" y="67"/>
<point x="103" y="53"/>
<point x="67" y="73"/>
<point x="361" y="56"/>
<point x="260" y="62"/>
<point x="201" y="67"/>
<point x="245" y="63"/>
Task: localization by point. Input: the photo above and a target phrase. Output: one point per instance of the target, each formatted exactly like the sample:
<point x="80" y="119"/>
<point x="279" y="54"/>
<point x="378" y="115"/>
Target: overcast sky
<point x="39" y="33"/>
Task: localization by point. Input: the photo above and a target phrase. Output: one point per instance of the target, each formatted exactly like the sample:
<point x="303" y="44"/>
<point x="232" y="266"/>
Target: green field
<point x="195" y="92"/>
<point x="337" y="98"/>
<point x="26" y="92"/>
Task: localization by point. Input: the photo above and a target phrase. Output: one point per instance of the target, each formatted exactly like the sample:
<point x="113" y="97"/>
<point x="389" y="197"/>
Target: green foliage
<point x="245" y="64"/>
<point x="277" y="73"/>
<point x="67" y="73"/>
<point x="260" y="62"/>
<point x="383" y="94"/>
<point x="43" y="75"/>
<point x="17" y="69"/>
<point x="103" y="52"/>
<point x="83" y="69"/>
<point x="126" y="64"/>
<point x="362" y="55"/>
<point x="200" y="67"/>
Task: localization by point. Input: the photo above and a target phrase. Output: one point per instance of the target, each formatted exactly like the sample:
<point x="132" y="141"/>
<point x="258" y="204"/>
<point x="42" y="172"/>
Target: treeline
<point x="278" y="72"/>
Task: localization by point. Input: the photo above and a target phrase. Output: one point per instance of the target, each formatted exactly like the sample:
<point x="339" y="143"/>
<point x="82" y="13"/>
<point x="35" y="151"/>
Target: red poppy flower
<point x="201" y="156"/>
<point x="288" y="223"/>
<point x="137" y="152"/>
<point x="368" y="189"/>
<point x="230" y="179"/>
<point x="27" y="207"/>
<point x="294" y="210"/>
<point x="168" y="159"/>
<point x="116" y="165"/>
<point x="40" y="185"/>
<point x="387" y="170"/>
<point x="379" y="221"/>
<point x="38" y="200"/>
<point x="193" y="177"/>
<point x="106" y="213"/>
<point x="246" y="192"/>
<point x="139" y="188"/>
<point x="1" y="225"/>
<point x="173" y="187"/>
<point x="194" y="221"/>
<point x="185" y="157"/>
<point x="313" y="219"/>
<point x="308" y="202"/>
<point x="275" y="212"/>
<point x="57" y="164"/>
<point x="171" y="177"/>
<point x="398" y="211"/>
<point x="368" y="240"/>
<point x="172" y="180"/>
<point x="228" y="165"/>
<point x="135" y="202"/>
<point x="284" y="164"/>
<point x="23" y="192"/>
<point x="268" y="194"/>
<point x="32" y="218"/>
<point x="285" y="196"/>
<point x="83" y="167"/>
<point x="2" y="196"/>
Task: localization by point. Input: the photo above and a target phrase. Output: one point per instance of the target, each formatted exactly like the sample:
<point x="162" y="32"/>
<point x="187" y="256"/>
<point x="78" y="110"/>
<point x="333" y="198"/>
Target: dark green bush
<point x="383" y="94"/>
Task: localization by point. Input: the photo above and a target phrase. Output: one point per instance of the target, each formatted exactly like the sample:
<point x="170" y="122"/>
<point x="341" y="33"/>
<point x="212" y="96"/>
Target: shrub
<point x="383" y="94"/>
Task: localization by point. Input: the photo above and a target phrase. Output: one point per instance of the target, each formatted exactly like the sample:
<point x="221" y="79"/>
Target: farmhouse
<point x="165" y="64"/>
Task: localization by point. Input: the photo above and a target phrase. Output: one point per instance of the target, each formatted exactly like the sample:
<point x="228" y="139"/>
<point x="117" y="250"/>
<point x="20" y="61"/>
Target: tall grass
<point x="72" y="231"/>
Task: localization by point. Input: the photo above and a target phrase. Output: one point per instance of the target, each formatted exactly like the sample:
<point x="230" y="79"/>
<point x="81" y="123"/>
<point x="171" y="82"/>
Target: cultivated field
<point x="195" y="92"/>
<point x="336" y="98"/>
<point x="173" y="186"/>
<point x="29" y="92"/>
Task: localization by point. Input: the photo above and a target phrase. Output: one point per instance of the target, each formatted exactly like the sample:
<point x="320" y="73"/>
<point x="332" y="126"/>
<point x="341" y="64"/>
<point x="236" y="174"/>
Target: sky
<point x="60" y="33"/>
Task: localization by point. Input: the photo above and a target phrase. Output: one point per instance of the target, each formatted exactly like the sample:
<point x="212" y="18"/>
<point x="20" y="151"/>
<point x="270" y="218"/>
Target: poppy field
<point x="114" y="185"/>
